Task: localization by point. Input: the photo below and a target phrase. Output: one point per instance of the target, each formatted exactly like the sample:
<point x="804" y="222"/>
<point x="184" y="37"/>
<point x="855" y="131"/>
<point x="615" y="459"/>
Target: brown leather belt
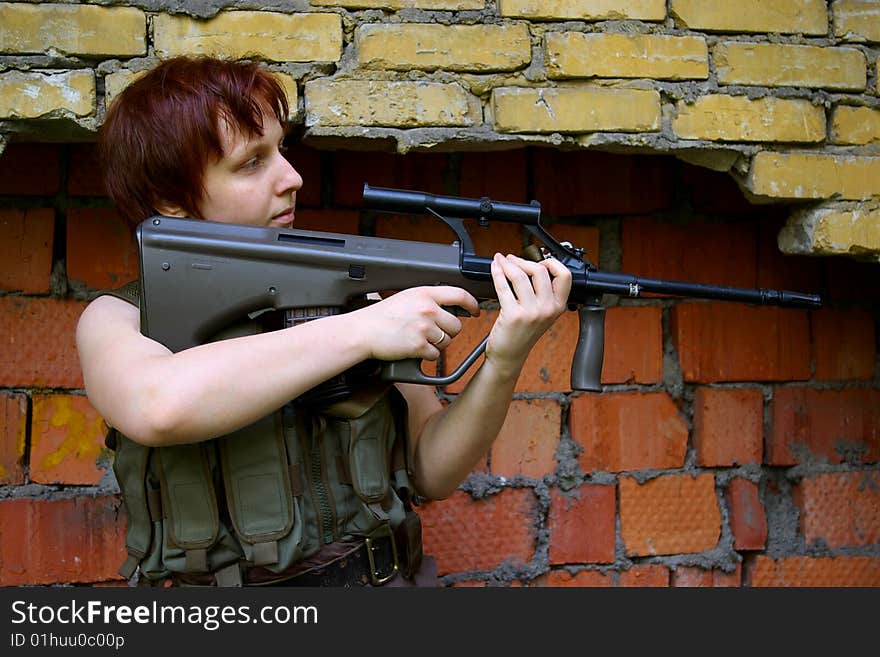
<point x="371" y="563"/>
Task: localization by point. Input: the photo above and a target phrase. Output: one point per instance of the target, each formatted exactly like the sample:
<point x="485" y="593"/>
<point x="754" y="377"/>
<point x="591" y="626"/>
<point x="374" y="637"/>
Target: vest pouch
<point x="366" y="430"/>
<point x="264" y="513"/>
<point x="194" y="540"/>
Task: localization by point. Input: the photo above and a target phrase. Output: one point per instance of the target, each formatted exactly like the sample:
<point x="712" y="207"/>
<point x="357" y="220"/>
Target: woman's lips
<point x="283" y="219"/>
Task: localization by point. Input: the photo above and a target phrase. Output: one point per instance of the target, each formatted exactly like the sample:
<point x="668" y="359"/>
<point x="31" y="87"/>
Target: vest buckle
<point x="374" y="544"/>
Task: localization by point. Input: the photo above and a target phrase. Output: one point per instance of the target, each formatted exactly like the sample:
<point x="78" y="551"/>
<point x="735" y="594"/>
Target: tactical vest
<point x="272" y="493"/>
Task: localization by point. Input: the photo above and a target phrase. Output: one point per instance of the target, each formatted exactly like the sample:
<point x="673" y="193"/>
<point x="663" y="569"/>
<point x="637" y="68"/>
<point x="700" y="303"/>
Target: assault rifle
<point x="198" y="277"/>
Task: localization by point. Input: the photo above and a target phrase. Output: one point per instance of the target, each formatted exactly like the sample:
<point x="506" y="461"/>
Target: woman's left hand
<point x="531" y="295"/>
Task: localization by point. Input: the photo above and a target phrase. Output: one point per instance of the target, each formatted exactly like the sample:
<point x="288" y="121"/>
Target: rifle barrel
<point x="634" y="286"/>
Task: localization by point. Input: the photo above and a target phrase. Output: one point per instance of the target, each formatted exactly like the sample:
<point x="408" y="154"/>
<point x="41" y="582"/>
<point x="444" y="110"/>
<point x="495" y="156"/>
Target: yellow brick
<point x="574" y="54"/>
<point x="33" y="95"/>
<point x="260" y="34"/>
<point x="449" y="5"/>
<point x="855" y="125"/>
<point x="847" y="232"/>
<point x="857" y="18"/>
<point x="72" y="29"/>
<point x="589" y="10"/>
<point x="784" y="65"/>
<point x="575" y="109"/>
<point x="784" y="16"/>
<point x="738" y="118"/>
<point x="115" y="82"/>
<point x="833" y="229"/>
<point x="814" y="175"/>
<point x="448" y="47"/>
<point x="381" y="103"/>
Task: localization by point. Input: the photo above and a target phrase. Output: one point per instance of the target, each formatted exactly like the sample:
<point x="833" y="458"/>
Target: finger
<point x="448" y="295"/>
<point x="520" y="280"/>
<point x="538" y="273"/>
<point x="449" y="324"/>
<point x="561" y="279"/>
<point x="499" y="279"/>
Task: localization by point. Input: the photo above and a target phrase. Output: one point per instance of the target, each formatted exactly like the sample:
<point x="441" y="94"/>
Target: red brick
<point x="328" y="221"/>
<point x="418" y="172"/>
<point x="527" y="443"/>
<point x="728" y="426"/>
<point x="669" y="515"/>
<point x="633" y="345"/>
<point x="548" y="366"/>
<point x="101" y="249"/>
<point x="694" y="577"/>
<point x="60" y="541"/>
<point x="780" y="271"/>
<point x="307" y="162"/>
<point x="851" y="281"/>
<point x="590" y="183"/>
<point x="844" y="346"/>
<point x="762" y="571"/>
<point x="840" y="508"/>
<point x="628" y="431"/>
<point x="502" y="176"/>
<point x="748" y="522"/>
<point x="37" y="343"/>
<point x="13" y="431"/>
<point x="30" y="169"/>
<point x="67" y="438"/>
<point x="737" y="342"/>
<point x="649" y="575"/>
<point x="714" y="253"/>
<point x="84" y="171"/>
<point x="26" y="239"/>
<point x="465" y="534"/>
<point x="713" y="192"/>
<point x="498" y="237"/>
<point x="582" y="525"/>
<point x="581" y="579"/>
<point x="824" y="425"/>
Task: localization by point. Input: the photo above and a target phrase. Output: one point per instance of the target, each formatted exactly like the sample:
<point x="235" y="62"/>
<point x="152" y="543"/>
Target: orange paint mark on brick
<point x="67" y="440"/>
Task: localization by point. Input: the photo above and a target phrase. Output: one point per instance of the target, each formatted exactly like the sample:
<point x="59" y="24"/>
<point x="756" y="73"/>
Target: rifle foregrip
<point x="586" y="365"/>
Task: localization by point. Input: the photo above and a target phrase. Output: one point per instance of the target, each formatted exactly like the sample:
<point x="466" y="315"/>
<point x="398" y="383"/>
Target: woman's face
<point x="252" y="183"/>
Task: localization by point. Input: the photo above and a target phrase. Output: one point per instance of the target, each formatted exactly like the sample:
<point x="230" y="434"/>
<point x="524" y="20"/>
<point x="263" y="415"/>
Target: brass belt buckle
<point x="376" y="578"/>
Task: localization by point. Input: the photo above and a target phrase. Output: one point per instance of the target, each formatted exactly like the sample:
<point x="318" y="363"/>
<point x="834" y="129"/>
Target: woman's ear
<point x="171" y="210"/>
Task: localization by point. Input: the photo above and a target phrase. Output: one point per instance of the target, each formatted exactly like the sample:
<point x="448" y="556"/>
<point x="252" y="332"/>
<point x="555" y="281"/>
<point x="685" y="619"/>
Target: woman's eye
<point x="252" y="163"/>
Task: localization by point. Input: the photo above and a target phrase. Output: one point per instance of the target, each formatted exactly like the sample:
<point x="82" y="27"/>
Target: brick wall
<point x="731" y="445"/>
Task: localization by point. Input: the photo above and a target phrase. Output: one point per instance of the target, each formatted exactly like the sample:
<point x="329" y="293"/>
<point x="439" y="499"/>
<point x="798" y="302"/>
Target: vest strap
<point x="129" y="565"/>
<point x="130" y="467"/>
<point x="197" y="560"/>
<point x="229" y="576"/>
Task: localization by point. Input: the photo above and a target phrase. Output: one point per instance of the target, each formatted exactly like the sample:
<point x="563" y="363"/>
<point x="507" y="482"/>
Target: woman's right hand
<point x="412" y="323"/>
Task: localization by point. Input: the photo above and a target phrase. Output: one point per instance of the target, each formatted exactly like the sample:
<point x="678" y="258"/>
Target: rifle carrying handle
<point x="409" y="370"/>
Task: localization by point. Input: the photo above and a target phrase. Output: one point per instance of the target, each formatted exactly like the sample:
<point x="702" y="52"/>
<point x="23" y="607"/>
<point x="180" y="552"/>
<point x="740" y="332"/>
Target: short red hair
<point x="161" y="131"/>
